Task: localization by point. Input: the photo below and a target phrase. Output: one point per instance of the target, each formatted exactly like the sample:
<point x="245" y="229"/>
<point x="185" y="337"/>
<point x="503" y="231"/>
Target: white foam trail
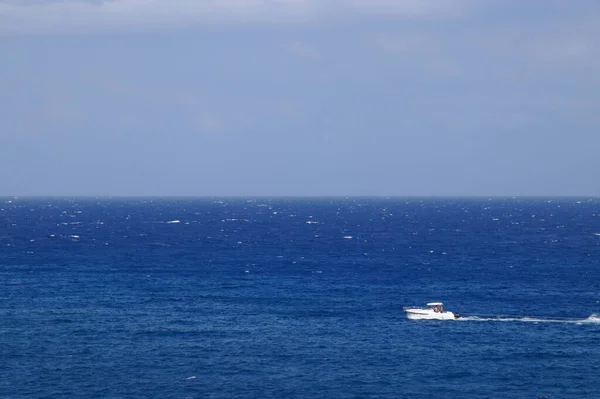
<point x="592" y="319"/>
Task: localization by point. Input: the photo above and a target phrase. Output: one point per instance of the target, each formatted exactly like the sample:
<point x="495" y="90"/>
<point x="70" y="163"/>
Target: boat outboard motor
<point x="456" y="315"/>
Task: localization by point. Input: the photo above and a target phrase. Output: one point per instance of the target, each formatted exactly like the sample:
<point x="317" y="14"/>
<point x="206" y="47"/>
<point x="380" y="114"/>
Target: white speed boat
<point x="433" y="311"/>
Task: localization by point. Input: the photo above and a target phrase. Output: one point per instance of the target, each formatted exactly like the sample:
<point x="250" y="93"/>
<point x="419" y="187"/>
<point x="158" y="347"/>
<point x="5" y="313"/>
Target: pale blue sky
<point x="300" y="97"/>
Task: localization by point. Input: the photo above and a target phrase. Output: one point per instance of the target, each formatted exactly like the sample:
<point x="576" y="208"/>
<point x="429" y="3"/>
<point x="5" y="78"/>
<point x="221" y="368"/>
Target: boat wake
<point x="592" y="319"/>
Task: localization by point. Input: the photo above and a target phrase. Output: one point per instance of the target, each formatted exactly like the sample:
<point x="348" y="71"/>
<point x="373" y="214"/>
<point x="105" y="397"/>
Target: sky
<point x="299" y="98"/>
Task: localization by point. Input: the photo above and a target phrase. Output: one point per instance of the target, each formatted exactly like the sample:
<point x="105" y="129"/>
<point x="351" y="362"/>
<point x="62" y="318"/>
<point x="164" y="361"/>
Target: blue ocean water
<point x="298" y="298"/>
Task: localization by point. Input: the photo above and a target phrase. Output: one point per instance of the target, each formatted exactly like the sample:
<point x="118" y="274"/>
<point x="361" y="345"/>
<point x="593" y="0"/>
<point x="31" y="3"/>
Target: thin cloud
<point x="48" y="16"/>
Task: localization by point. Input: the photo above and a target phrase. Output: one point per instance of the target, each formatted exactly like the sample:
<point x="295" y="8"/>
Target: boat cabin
<point x="437" y="307"/>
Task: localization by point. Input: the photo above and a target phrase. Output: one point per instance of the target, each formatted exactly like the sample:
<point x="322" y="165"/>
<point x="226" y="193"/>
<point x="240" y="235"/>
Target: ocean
<point x="299" y="297"/>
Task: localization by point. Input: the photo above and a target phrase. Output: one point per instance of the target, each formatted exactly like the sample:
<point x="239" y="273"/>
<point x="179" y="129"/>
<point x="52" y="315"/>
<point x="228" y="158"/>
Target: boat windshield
<point x="437" y="307"/>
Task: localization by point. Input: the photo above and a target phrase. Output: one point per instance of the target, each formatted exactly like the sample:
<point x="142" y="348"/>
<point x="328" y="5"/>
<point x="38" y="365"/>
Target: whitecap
<point x="173" y="221"/>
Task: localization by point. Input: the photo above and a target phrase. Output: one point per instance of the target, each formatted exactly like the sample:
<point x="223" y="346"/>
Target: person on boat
<point x="441" y="308"/>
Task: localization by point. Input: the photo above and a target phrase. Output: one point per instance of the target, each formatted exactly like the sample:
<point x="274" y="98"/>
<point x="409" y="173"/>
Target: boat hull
<point x="426" y="314"/>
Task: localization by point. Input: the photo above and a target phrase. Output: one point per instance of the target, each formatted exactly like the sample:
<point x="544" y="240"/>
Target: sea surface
<point x="299" y="298"/>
